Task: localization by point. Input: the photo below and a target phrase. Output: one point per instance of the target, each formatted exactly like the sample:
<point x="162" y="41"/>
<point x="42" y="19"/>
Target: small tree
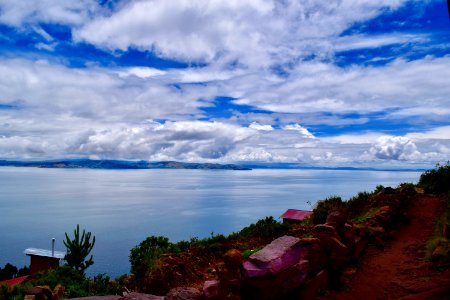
<point x="78" y="249"/>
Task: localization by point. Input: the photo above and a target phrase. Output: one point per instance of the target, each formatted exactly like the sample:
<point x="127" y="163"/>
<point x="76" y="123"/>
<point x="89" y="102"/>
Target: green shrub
<point x="78" y="249"/>
<point x="267" y="227"/>
<point x="436" y="181"/>
<point x="324" y="207"/>
<point x="143" y="257"/>
<point x="357" y="204"/>
<point x="74" y="282"/>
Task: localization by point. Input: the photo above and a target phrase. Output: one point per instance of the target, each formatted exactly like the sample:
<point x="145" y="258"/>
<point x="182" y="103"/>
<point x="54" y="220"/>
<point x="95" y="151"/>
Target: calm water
<point x="122" y="207"/>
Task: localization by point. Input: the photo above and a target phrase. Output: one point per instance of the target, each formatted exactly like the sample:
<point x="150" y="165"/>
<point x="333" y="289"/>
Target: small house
<point x="42" y="260"/>
<point x="295" y="215"/>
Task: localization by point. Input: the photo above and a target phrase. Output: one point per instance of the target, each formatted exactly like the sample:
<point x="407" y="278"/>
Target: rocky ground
<point x="398" y="271"/>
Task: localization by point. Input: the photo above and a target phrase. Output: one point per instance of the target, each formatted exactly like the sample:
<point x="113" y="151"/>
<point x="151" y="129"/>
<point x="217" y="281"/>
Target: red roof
<point x="295" y="214"/>
<point x="14" y="281"/>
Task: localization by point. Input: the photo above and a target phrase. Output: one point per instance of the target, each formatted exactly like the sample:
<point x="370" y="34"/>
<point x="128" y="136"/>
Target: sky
<point x="362" y="83"/>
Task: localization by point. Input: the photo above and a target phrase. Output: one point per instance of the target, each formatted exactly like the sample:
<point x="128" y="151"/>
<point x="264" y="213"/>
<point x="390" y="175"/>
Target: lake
<point x="122" y="207"/>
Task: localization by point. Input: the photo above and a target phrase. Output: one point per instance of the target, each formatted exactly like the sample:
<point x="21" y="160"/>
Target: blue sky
<point x="346" y="83"/>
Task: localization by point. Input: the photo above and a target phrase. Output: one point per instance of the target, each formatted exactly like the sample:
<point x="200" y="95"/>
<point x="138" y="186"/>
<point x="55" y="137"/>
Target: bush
<point x="267" y="227"/>
<point x="324" y="207"/>
<point x="143" y="257"/>
<point x="357" y="204"/>
<point x="74" y="282"/>
<point x="436" y="181"/>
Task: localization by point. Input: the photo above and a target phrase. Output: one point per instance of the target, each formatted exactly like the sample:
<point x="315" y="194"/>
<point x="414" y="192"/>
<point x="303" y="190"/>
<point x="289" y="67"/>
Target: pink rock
<point x="211" y="289"/>
<point x="278" y="255"/>
<point x="251" y="270"/>
<point x="294" y="276"/>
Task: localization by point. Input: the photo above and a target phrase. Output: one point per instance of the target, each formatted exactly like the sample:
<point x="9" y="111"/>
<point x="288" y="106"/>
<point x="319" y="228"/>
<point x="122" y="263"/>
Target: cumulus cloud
<point x="258" y="126"/>
<point x="68" y="12"/>
<point x="395" y="148"/>
<point x="254" y="32"/>
<point x="302" y="130"/>
<point x="275" y="57"/>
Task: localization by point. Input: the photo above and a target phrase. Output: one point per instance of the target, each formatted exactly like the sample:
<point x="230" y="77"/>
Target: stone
<point x="139" y="296"/>
<point x="251" y="270"/>
<point x="325" y="234"/>
<point x="339" y="254"/>
<point x="384" y="216"/>
<point x="312" y="251"/>
<point x="29" y="297"/>
<point x="211" y="289"/>
<point x="348" y="235"/>
<point x="40" y="292"/>
<point x="336" y="219"/>
<point x="184" y="293"/>
<point x="275" y="257"/>
<point x="233" y="259"/>
<point x="360" y="246"/>
<point x="317" y="283"/>
<point x="58" y="292"/>
<point x="294" y="276"/>
<point x="439" y="253"/>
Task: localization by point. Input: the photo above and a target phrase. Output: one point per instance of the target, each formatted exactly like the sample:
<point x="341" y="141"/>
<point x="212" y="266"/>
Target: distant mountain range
<point x="119" y="164"/>
<point x="142" y="164"/>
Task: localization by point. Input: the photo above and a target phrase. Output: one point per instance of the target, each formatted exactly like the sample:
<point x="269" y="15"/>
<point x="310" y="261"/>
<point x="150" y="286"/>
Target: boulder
<point x="279" y="269"/>
<point x="339" y="254"/>
<point x="348" y="236"/>
<point x="40" y="292"/>
<point x="277" y="286"/>
<point x="336" y="219"/>
<point x="58" y="292"/>
<point x="360" y="246"/>
<point x="294" y="276"/>
<point x="233" y="259"/>
<point x="211" y="289"/>
<point x="136" y="296"/>
<point x="312" y="251"/>
<point x="317" y="283"/>
<point x="325" y="234"/>
<point x="184" y="293"/>
<point x="275" y="257"/>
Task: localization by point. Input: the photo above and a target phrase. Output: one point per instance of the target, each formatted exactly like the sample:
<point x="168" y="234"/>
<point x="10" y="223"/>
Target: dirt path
<point x="398" y="272"/>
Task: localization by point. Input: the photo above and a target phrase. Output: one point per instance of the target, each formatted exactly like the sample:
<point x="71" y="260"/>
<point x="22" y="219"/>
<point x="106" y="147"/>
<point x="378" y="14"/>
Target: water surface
<point x="122" y="207"/>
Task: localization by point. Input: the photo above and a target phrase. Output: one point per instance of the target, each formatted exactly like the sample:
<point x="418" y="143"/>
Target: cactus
<point x="78" y="249"/>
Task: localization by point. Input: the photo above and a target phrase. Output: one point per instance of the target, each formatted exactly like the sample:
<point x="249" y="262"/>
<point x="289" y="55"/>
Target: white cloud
<point x="17" y="13"/>
<point x="302" y="130"/>
<point x="258" y="126"/>
<point x="395" y="148"/>
<point x="354" y="42"/>
<point x="108" y="112"/>
<point x="254" y="32"/>
<point x="319" y="87"/>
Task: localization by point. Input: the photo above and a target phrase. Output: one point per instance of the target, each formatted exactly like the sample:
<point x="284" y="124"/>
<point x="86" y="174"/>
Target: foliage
<point x="267" y="227"/>
<point x="324" y="207"/>
<point x="437" y="180"/>
<point x="357" y="204"/>
<point x="76" y="284"/>
<point x="72" y="280"/>
<point x="367" y="215"/>
<point x="10" y="271"/>
<point x="11" y="293"/>
<point x="78" y="249"/>
<point x="143" y="257"/>
<point x="247" y="253"/>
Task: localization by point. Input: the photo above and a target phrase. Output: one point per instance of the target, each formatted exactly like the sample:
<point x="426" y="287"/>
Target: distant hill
<point x="119" y="164"/>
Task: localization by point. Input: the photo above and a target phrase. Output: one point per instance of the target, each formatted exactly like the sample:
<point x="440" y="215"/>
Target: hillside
<point x="119" y="164"/>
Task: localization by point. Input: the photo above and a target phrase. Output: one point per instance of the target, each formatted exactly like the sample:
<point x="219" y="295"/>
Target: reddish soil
<point x="398" y="271"/>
